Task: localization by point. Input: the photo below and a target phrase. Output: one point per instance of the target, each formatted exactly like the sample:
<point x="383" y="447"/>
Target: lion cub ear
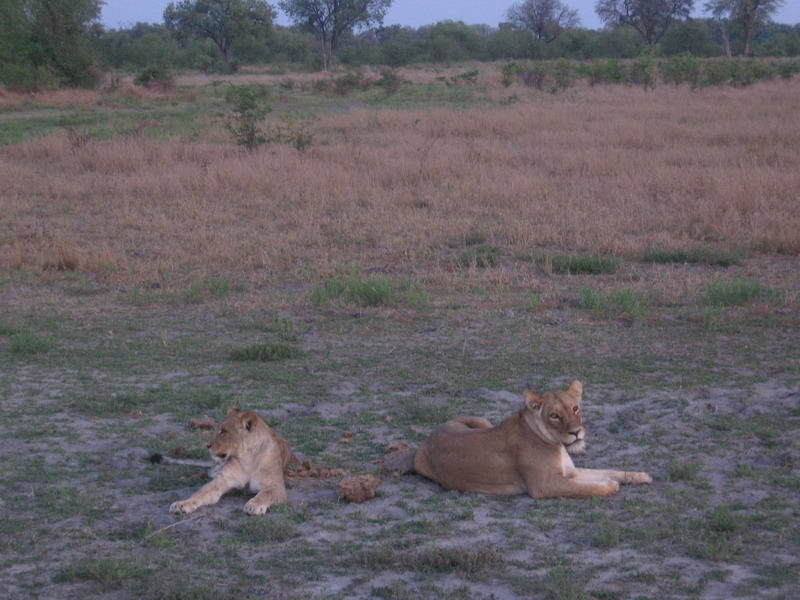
<point x="576" y="389"/>
<point x="532" y="401"/>
<point x="232" y="410"/>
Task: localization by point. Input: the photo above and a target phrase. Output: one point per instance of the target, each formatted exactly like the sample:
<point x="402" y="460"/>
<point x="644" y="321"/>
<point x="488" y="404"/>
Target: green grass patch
<point x="620" y="303"/>
<point x="29" y="344"/>
<point x="375" y="290"/>
<point x="735" y="292"/>
<point x="582" y="264"/>
<point x="699" y="255"/>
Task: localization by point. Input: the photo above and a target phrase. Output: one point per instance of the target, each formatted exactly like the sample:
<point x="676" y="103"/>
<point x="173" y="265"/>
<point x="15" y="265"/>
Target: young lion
<point x="525" y="453"/>
<point x="249" y="453"/>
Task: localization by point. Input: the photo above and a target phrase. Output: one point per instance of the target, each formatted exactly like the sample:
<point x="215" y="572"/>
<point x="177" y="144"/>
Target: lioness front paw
<point x="255" y="508"/>
<point x="637" y="477"/>
<point x="184" y="507"/>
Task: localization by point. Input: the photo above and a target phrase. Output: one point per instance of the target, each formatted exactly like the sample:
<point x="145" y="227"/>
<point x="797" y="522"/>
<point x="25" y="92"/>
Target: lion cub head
<point x="239" y="431"/>
<point x="556" y="416"/>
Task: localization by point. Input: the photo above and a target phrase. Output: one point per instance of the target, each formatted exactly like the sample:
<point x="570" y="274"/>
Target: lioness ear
<point x="532" y="401"/>
<point x="246" y="420"/>
<point x="576" y="388"/>
<point x="232" y="410"/>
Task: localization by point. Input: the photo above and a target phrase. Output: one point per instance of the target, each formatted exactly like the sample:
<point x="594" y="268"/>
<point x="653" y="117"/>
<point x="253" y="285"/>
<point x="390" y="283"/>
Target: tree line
<point x="47" y="43"/>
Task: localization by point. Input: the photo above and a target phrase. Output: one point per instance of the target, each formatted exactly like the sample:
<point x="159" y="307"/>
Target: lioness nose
<point x="576" y="433"/>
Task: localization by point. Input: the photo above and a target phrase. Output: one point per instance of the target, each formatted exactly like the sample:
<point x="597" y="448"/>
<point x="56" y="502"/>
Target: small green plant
<point x="735" y="292"/>
<point x="248" y="109"/>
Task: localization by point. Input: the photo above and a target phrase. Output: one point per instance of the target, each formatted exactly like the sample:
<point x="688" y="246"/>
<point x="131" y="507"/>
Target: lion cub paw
<point x="184" y="507"/>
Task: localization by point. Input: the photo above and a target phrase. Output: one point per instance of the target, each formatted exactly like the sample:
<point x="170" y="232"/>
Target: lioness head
<point x="231" y="434"/>
<point x="556" y="416"/>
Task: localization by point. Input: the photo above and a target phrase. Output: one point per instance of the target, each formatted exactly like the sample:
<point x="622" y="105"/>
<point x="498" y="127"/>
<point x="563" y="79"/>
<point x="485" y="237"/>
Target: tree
<point x="746" y="15"/>
<point x="227" y="23"/>
<point x="47" y="39"/>
<point x="546" y="19"/>
<point x="650" y="18"/>
<point x="330" y="20"/>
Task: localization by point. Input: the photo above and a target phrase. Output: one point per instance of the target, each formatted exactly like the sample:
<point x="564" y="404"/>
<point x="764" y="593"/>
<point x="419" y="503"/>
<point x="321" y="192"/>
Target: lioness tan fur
<point x="249" y="453"/>
<point x="525" y="453"/>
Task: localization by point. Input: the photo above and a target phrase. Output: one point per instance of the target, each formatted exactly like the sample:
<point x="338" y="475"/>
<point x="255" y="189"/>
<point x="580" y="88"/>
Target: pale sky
<point x="414" y="13"/>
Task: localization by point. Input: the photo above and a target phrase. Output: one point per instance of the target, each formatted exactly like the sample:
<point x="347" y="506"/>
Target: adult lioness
<point x="249" y="453"/>
<point x="525" y="453"/>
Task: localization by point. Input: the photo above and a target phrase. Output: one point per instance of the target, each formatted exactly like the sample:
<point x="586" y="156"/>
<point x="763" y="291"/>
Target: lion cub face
<point x="230" y="435"/>
<point x="557" y="416"/>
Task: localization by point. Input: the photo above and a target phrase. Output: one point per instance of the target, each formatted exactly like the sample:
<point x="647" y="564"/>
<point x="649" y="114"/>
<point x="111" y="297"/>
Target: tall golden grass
<point x="611" y="170"/>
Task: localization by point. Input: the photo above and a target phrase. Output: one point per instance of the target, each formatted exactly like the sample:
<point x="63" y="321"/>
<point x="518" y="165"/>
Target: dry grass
<point x="604" y="170"/>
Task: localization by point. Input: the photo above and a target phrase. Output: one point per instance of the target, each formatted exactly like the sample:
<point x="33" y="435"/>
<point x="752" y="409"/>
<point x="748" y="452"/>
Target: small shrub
<point x="293" y="132"/>
<point x="390" y="81"/>
<point x="467" y="78"/>
<point x="349" y="82"/>
<point x="247" y="111"/>
<point x="683" y="68"/>
<point x="510" y="73"/>
<point x="606" y="71"/>
<point x="643" y="72"/>
<point x="155" y="75"/>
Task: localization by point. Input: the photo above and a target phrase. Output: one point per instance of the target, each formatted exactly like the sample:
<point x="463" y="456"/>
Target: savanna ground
<point x="423" y="253"/>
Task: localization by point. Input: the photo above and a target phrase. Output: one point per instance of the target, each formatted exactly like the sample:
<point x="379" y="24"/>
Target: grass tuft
<point x="266" y="351"/>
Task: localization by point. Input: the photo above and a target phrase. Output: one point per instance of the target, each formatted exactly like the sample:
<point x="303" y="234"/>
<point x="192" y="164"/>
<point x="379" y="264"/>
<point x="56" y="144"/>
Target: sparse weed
<point x="480" y="256"/>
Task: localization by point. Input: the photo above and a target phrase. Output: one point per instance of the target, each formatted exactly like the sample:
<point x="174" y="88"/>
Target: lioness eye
<point x="576" y="409"/>
<point x="555" y="416"/>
